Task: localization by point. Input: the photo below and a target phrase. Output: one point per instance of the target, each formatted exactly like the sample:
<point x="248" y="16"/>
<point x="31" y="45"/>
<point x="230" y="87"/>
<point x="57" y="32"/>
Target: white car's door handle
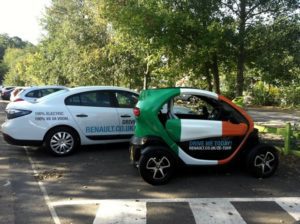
<point x="81" y="115"/>
<point x="125" y="115"/>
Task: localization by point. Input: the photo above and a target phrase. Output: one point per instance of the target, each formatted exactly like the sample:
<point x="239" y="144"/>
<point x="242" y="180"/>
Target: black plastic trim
<point x="150" y="143"/>
<point x="14" y="141"/>
<point x="108" y="137"/>
<point x="148" y="140"/>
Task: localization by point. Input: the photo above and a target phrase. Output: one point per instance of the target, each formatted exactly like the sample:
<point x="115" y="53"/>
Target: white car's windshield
<point x="51" y="95"/>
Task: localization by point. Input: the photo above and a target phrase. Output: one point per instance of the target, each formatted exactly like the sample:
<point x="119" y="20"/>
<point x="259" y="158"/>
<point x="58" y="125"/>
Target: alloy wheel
<point x="158" y="167"/>
<point x="62" y="142"/>
<point x="265" y="163"/>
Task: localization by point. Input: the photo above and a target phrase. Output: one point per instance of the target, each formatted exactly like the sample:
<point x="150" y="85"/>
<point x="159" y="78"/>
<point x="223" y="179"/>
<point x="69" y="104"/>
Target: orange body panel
<point x="229" y="129"/>
<point x="248" y="132"/>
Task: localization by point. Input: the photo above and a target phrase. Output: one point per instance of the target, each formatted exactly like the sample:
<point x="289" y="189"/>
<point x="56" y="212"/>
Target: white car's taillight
<point x="18" y="100"/>
<point x="136" y="111"/>
<point x="14" y="113"/>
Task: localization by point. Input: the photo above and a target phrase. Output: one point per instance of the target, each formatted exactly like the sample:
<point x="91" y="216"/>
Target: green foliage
<point x="11" y="42"/>
<point x="73" y="51"/>
<point x="290" y="96"/>
<point x="17" y="60"/>
<point x="276" y="51"/>
<point x="239" y="101"/>
<point x="156" y="43"/>
<point x="3" y="70"/>
<point x="264" y="94"/>
<point x="228" y="87"/>
<point x="186" y="33"/>
<point x="7" y="42"/>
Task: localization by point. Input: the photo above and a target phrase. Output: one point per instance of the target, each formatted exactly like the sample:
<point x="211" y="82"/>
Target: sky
<point x="22" y="18"/>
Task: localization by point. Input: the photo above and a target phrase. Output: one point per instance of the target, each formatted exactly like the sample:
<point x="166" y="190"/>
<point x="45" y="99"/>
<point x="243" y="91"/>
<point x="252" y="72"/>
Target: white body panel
<point x="199" y="92"/>
<point x="51" y="111"/>
<point x="94" y="121"/>
<point x="35" y="125"/>
<point x="127" y="121"/>
<point x="199" y="129"/>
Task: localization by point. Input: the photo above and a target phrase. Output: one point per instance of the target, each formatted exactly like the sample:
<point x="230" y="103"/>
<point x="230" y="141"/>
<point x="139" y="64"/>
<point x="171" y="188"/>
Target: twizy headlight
<point x="14" y="113"/>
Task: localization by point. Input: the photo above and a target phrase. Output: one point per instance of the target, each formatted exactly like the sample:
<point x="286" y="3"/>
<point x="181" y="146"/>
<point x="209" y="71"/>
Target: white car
<point x="31" y="94"/>
<point x="14" y="94"/>
<point x="68" y="118"/>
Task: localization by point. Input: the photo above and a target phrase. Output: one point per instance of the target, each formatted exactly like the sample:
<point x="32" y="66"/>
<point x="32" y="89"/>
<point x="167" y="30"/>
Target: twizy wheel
<point x="156" y="167"/>
<point x="262" y="161"/>
<point x="61" y="141"/>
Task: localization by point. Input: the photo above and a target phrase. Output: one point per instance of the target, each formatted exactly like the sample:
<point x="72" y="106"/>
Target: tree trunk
<point x="145" y="85"/>
<point x="208" y="77"/>
<point x="215" y="72"/>
<point x="146" y="77"/>
<point x="241" y="50"/>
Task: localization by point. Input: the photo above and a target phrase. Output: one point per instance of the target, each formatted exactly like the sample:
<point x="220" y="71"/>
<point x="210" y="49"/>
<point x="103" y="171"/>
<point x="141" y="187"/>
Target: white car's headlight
<point x="14" y="113"/>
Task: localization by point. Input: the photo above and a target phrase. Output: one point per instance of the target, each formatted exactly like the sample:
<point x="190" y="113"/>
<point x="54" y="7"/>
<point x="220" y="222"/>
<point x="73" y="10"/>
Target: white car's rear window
<point x="52" y="95"/>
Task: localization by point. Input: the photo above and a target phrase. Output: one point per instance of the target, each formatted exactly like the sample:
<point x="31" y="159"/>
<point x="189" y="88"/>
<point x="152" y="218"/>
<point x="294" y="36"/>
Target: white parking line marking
<point x="121" y="212"/>
<point x="205" y="210"/>
<point x="211" y="212"/>
<point x="7" y="183"/>
<point x="83" y="201"/>
<point x="291" y="206"/>
<point x="44" y="191"/>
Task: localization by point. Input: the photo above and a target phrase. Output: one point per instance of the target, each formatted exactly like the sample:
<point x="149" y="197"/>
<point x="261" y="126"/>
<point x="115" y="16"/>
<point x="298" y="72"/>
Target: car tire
<point x="156" y="166"/>
<point x="61" y="141"/>
<point x="262" y="161"/>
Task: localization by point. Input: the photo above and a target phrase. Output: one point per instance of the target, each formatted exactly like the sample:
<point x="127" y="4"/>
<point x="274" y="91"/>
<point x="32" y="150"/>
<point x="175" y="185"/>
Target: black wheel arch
<point x="251" y="142"/>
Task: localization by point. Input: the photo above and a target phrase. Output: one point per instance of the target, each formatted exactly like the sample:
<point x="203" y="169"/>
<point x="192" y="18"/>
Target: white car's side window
<point x="33" y="94"/>
<point x="90" y="99"/>
<point x="126" y="99"/>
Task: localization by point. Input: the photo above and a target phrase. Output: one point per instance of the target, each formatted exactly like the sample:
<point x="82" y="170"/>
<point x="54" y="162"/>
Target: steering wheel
<point x="215" y="114"/>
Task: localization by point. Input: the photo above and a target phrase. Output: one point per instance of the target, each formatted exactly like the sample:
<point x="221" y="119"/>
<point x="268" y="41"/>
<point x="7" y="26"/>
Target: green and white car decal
<point x="195" y="127"/>
<point x="184" y="130"/>
<point x="148" y="124"/>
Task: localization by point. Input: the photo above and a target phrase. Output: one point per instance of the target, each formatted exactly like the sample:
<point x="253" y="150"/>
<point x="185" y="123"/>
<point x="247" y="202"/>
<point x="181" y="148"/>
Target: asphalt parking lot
<point x="99" y="185"/>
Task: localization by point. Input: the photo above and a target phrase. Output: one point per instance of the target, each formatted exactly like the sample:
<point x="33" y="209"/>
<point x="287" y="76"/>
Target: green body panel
<point x="148" y="124"/>
<point x="173" y="127"/>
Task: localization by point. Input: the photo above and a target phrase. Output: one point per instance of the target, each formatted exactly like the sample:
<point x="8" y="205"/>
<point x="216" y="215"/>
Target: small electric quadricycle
<point x="196" y="128"/>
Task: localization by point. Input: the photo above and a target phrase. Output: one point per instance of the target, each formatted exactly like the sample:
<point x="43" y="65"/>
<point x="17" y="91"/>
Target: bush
<point x="290" y="96"/>
<point x="265" y="95"/>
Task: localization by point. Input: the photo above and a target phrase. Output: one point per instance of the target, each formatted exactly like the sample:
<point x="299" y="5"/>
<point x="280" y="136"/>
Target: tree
<point x="73" y="51"/>
<point x="14" y="59"/>
<point x="247" y="14"/>
<point x="185" y="32"/>
<point x="275" y="51"/>
<point x="9" y="42"/>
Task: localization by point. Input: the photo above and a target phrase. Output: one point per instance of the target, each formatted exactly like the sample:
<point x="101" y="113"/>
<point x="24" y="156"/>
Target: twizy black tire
<point x="61" y="141"/>
<point x="156" y="166"/>
<point x="262" y="161"/>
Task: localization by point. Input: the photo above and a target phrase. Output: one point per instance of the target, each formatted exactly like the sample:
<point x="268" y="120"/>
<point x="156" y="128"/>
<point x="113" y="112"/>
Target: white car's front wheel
<point x="61" y="141"/>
